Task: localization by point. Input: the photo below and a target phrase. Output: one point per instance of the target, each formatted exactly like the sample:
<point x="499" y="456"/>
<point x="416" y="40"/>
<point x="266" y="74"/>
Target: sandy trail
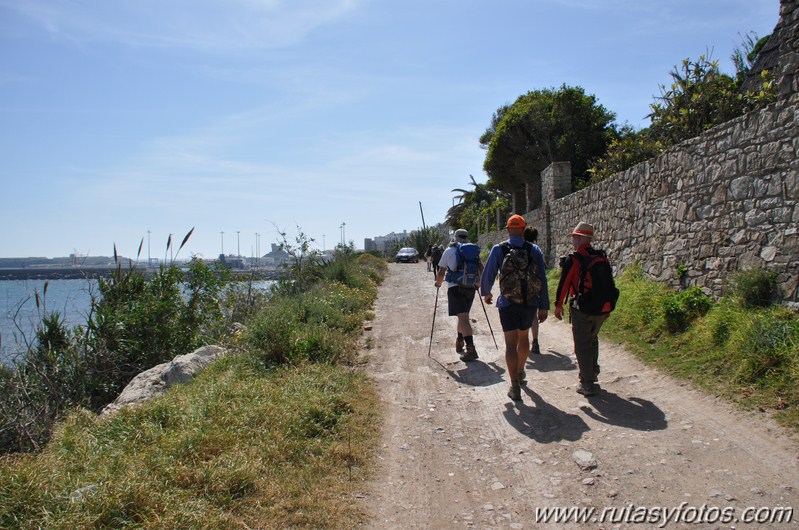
<point x="457" y="453"/>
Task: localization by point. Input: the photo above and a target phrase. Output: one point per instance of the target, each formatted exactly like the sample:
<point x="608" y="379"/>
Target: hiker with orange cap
<point x="523" y="296"/>
<point x="587" y="278"/>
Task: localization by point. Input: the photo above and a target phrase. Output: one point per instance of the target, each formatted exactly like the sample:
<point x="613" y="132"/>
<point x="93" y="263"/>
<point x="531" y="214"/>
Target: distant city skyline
<point x="131" y="118"/>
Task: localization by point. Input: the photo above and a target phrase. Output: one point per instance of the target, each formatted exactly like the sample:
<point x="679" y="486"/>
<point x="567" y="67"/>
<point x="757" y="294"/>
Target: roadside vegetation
<point x="278" y="434"/>
<point x="742" y="347"/>
<point x="566" y="124"/>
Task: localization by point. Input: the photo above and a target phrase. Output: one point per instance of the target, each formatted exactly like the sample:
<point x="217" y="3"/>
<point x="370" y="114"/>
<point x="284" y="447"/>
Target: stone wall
<point x="727" y="200"/>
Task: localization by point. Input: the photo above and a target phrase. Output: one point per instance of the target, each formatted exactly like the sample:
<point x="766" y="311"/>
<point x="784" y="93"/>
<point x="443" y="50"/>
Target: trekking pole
<point x="432" y="327"/>
<point x="489" y="322"/>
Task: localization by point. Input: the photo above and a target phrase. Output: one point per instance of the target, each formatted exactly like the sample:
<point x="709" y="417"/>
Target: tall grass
<point x="732" y="347"/>
<point x="136" y="323"/>
<point x="276" y="436"/>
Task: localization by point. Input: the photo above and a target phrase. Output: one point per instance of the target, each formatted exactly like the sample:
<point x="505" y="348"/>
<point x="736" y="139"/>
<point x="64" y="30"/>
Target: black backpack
<point x="596" y="293"/>
<point x="518" y="274"/>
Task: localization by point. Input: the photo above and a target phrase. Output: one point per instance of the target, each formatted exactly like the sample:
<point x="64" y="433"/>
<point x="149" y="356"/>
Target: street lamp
<point x="238" y="244"/>
<point x="222" y="234"/>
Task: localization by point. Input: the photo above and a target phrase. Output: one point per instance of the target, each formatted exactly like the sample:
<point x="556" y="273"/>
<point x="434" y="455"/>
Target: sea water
<point x="19" y="314"/>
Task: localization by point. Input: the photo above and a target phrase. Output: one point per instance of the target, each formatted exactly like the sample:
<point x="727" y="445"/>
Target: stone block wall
<point x="727" y="200"/>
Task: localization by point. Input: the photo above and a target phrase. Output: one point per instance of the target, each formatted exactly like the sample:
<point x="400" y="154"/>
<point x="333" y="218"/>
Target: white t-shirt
<point x="449" y="260"/>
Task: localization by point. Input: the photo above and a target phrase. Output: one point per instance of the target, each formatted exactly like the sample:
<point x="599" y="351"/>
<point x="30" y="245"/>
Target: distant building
<point x="275" y="258"/>
<point x="384" y="243"/>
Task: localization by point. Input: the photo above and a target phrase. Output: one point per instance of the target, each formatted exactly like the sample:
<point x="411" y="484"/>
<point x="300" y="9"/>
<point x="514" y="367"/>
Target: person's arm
<point x="543" y="294"/>
<point x="564" y="285"/>
<point x="490" y="273"/>
<point x="443" y="266"/>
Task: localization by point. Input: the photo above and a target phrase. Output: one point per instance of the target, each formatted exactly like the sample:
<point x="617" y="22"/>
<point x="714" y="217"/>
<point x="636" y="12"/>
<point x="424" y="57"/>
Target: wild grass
<point x="736" y="347"/>
<point x="278" y="435"/>
<point x="240" y="445"/>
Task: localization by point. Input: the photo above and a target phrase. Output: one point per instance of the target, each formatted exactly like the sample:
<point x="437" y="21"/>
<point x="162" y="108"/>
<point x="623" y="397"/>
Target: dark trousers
<point x="585" y="329"/>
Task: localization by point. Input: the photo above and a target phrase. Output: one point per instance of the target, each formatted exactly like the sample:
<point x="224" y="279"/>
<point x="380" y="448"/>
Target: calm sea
<point x="19" y="314"/>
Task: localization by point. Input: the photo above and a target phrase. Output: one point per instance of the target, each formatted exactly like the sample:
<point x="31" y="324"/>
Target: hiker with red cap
<point x="523" y="296"/>
<point x="586" y="279"/>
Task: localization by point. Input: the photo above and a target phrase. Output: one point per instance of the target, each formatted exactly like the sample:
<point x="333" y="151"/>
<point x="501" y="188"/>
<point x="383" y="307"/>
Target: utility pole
<point x="343" y="238"/>
<point x="148" y="249"/>
<point x="238" y="245"/>
<point x="257" y="249"/>
<point x="420" y="209"/>
<point x="222" y="234"/>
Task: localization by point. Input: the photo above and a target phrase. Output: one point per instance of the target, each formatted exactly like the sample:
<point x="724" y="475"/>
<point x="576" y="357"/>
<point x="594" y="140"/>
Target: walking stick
<point x="435" y="306"/>
<point x="489" y="322"/>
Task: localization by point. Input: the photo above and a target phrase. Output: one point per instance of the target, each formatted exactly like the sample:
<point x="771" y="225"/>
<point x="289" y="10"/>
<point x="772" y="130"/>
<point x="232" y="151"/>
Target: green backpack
<point x="518" y="274"/>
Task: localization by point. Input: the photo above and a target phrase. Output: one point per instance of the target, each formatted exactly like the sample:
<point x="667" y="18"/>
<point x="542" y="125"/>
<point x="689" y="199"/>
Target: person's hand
<point x="542" y="315"/>
<point x="437" y="284"/>
<point x="559" y="312"/>
<point x="487" y="299"/>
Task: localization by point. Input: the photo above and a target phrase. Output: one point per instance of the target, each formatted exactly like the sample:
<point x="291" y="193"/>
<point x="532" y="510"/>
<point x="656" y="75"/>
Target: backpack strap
<point x="585" y="262"/>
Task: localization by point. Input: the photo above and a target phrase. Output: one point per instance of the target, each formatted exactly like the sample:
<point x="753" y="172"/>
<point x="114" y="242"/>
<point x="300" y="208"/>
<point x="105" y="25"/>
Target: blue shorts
<point x="517" y="316"/>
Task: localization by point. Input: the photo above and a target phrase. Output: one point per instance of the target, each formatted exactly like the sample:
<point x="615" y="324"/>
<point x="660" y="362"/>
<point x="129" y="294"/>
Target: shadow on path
<point x="543" y="422"/>
<point x="550" y="361"/>
<point x="475" y="373"/>
<point x="633" y="413"/>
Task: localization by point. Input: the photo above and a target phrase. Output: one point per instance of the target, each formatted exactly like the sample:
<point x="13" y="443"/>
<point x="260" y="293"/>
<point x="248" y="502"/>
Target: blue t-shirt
<point x="495" y="262"/>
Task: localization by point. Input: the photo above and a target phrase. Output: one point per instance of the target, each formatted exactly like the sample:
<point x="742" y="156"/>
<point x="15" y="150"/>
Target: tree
<point x="545" y="126"/>
<point x="464" y="214"/>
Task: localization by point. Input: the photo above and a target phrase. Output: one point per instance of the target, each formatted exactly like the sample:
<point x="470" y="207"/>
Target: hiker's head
<point x="516" y="225"/>
<point x="582" y="234"/>
<point x="530" y="234"/>
<point x="461" y="236"/>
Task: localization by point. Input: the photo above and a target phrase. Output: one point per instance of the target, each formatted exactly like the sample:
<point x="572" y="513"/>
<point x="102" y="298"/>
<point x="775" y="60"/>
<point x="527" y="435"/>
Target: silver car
<point x="407" y="255"/>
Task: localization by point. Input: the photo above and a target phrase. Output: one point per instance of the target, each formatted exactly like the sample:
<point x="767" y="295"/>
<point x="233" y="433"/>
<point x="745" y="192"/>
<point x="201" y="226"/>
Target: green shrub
<point x="681" y="309"/>
<point x="753" y="288"/>
<point x="767" y="343"/>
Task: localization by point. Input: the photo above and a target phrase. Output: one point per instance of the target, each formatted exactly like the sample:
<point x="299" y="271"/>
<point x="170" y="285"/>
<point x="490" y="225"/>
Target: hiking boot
<point x="522" y="377"/>
<point x="459" y="342"/>
<point x="470" y="355"/>
<point x="536" y="349"/>
<point x="515" y="392"/>
<point x="588" y="390"/>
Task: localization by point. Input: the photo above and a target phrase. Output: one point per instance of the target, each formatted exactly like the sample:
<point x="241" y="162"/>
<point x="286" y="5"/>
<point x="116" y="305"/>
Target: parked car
<point x="407" y="255"/>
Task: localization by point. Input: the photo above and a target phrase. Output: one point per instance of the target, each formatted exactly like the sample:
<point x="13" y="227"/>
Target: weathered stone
<point x="584" y="459"/>
<point x="158" y="379"/>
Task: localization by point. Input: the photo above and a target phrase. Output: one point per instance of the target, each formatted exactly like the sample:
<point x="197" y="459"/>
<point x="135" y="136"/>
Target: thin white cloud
<point x="210" y="25"/>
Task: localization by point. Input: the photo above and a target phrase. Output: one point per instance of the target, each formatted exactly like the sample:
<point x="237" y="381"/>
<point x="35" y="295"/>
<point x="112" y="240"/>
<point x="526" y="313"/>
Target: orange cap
<point x="516" y="221"/>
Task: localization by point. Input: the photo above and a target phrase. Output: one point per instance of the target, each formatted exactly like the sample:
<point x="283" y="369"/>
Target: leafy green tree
<point x="426" y="237"/>
<point x="458" y="216"/>
<point x="629" y="148"/>
<point x="545" y="126"/>
<point x="700" y="96"/>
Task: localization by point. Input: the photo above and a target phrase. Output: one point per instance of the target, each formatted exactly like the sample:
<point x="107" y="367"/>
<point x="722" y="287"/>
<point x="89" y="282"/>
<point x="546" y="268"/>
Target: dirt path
<point x="457" y="453"/>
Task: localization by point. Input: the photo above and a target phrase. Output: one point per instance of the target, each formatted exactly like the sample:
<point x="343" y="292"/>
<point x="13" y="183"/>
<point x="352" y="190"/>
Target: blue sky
<point x="123" y="116"/>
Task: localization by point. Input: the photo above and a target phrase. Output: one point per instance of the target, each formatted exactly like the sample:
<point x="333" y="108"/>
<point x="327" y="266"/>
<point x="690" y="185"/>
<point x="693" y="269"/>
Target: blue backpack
<point x="468" y="272"/>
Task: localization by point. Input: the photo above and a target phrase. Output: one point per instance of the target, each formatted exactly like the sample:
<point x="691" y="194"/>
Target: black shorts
<point x="460" y="299"/>
<point x="517" y="316"/>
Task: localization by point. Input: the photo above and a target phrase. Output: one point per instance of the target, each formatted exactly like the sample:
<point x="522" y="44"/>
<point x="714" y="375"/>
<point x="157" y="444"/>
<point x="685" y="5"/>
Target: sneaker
<point x="522" y="377"/>
<point x="470" y="355"/>
<point x="588" y="390"/>
<point x="536" y="349"/>
<point x="459" y="345"/>
<point x="515" y="392"/>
